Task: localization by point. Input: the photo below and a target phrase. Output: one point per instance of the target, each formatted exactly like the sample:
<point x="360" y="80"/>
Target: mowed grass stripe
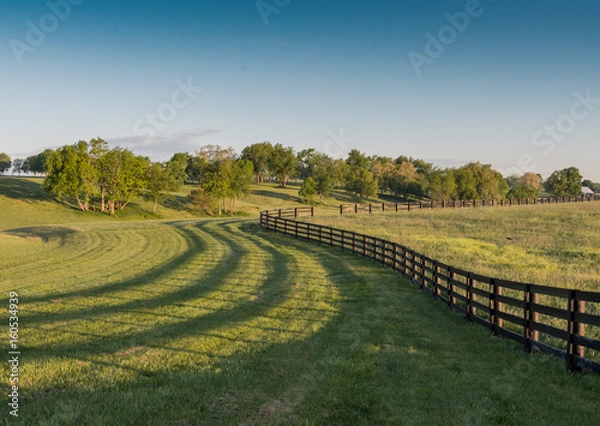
<point x="126" y="309"/>
<point x="165" y="312"/>
<point x="112" y="266"/>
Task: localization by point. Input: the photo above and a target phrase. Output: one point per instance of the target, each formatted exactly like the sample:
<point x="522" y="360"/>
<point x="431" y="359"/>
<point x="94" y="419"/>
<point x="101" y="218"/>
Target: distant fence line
<point x="541" y="318"/>
<point x="408" y="206"/>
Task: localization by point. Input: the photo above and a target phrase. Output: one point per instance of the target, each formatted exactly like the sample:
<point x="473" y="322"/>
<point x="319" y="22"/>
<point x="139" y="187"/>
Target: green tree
<point x="177" y="167"/>
<point x="217" y="187"/>
<point x="259" y="154"/>
<point x="283" y="163"/>
<point x="526" y="186"/>
<point x="5" y="162"/>
<point x="357" y="159"/>
<point x="308" y="190"/>
<point x="71" y="174"/>
<point x="404" y="179"/>
<point x="565" y="183"/>
<point x="383" y="168"/>
<point x="361" y="182"/>
<point x="466" y="184"/>
<point x="325" y="172"/>
<point x="306" y="162"/>
<point x="37" y="163"/>
<point x="240" y="179"/>
<point x="491" y="184"/>
<point x="26" y="167"/>
<point x="201" y="200"/>
<point x="159" y="180"/>
<point x="442" y="185"/>
<point x="522" y="192"/>
<point x="18" y="166"/>
<point x="196" y="167"/>
<point x="124" y="176"/>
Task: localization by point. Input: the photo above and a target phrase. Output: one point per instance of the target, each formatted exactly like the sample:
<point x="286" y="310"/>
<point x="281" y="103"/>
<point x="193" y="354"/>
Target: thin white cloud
<point x="161" y="147"/>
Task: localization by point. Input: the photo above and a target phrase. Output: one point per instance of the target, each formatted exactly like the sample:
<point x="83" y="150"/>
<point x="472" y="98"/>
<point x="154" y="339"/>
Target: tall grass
<point x="557" y="245"/>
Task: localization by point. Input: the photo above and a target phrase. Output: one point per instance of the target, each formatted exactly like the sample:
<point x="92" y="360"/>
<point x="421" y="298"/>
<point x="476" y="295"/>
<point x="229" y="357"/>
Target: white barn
<point x="587" y="192"/>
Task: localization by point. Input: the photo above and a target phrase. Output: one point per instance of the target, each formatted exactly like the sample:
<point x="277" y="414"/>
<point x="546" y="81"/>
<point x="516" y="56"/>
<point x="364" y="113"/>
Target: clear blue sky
<point x="505" y="85"/>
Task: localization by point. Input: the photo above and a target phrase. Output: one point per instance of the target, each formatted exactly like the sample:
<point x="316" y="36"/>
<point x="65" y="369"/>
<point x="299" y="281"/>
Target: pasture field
<point x="557" y="245"/>
<point x="220" y="322"/>
<point x="191" y="321"/>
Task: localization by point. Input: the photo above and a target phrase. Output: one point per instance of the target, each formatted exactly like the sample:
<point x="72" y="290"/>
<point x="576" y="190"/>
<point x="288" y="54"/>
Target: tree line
<point x="98" y="178"/>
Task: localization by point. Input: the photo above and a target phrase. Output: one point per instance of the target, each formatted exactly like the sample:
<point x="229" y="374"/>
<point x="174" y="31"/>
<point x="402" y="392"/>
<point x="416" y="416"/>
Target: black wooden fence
<point x="412" y="205"/>
<point x="561" y="322"/>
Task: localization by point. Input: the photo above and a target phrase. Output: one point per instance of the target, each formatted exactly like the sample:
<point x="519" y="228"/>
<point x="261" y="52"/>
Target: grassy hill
<point x="23" y="202"/>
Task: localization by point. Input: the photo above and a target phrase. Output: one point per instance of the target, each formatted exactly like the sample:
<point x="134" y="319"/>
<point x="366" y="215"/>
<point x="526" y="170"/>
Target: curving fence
<point x="564" y="323"/>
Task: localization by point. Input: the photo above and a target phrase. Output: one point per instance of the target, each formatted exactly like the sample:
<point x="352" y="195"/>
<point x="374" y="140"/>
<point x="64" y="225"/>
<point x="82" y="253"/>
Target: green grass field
<point x="556" y="245"/>
<point x="203" y="321"/>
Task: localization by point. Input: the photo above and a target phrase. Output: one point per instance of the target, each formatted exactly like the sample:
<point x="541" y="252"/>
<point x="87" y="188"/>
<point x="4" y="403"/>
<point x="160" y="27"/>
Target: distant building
<point x="587" y="192"/>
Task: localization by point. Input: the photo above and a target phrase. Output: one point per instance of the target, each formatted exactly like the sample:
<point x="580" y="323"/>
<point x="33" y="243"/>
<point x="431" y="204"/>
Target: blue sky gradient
<point x="333" y="75"/>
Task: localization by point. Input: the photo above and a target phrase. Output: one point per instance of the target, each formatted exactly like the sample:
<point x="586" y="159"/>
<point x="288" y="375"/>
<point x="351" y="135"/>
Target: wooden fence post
<point x="422" y="270"/>
<point x="395" y="257"/>
<point x="374" y="249"/>
<point x="451" y="288"/>
<point x="341" y="209"/>
<point x="575" y="328"/>
<point x="383" y="248"/>
<point x="436" y="280"/>
<point x="531" y="318"/>
<point x="471" y="297"/>
<point x="495" y="307"/>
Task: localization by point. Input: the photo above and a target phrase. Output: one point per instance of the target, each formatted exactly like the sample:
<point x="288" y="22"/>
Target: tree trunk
<point x="102" y="205"/>
<point x="155" y="204"/>
<point x="111" y="208"/>
<point x="233" y="204"/>
<point x="80" y="204"/>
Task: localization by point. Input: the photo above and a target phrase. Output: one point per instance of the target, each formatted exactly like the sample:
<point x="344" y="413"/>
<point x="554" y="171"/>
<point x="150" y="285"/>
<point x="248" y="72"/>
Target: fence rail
<point x="384" y="207"/>
<point x="541" y="318"/>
